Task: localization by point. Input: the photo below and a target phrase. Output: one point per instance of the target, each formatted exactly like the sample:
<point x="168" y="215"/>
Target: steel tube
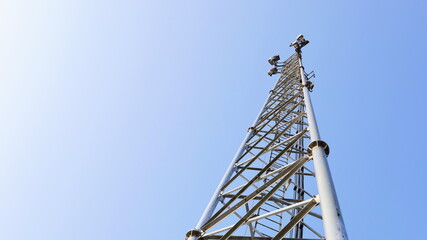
<point x="333" y="223"/>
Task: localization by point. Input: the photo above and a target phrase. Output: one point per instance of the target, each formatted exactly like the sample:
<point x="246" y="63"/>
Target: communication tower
<point x="278" y="185"/>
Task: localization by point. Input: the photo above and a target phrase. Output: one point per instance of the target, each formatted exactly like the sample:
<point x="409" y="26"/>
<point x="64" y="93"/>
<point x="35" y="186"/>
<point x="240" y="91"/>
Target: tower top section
<point x="299" y="43"/>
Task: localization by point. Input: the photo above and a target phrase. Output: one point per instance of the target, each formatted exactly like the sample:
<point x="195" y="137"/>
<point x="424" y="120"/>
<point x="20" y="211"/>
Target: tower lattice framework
<point x="278" y="185"/>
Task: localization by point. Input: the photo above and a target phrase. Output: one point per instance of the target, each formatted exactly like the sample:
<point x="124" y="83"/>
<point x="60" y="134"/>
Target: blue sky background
<point x="118" y="118"/>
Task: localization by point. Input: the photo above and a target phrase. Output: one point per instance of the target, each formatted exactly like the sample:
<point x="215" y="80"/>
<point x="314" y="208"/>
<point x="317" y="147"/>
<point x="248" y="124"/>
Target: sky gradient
<point x="118" y="118"/>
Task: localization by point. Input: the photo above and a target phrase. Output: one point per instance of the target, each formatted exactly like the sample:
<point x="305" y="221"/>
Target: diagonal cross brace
<point x="216" y="217"/>
<point x="292" y="170"/>
<point x="256" y="218"/>
<point x="296" y="219"/>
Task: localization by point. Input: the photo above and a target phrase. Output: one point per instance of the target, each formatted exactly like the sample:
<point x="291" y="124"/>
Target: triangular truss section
<point x="266" y="195"/>
<point x="270" y="190"/>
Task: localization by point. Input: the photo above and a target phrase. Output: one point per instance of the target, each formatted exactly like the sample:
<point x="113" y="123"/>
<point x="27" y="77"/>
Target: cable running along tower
<point x="278" y="185"/>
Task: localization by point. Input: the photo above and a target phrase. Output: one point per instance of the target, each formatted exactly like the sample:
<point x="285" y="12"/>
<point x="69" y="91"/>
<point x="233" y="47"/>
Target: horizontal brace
<point x="297" y="218"/>
<point x="297" y="205"/>
<point x="254" y="179"/>
<point x="284" y="174"/>
<point x="267" y="227"/>
<point x="261" y="152"/>
<point x="251" y="168"/>
<point x="267" y="148"/>
<point x="283" y="178"/>
<point x="289" y="139"/>
<point x="287" y="208"/>
<point x="272" y="199"/>
<point x="263" y="177"/>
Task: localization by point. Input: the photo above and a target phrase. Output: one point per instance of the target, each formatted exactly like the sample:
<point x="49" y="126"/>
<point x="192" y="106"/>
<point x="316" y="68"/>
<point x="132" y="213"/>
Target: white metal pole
<point x="332" y="218"/>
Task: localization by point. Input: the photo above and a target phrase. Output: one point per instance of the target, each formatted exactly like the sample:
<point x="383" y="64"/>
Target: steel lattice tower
<point x="279" y="177"/>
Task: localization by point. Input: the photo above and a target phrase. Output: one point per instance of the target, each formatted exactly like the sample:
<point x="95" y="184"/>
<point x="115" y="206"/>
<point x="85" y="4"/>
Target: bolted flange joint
<point x="193" y="233"/>
<point x="317" y="143"/>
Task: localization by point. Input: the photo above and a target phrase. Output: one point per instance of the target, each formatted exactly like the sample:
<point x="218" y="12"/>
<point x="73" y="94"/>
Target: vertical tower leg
<point x="332" y="218"/>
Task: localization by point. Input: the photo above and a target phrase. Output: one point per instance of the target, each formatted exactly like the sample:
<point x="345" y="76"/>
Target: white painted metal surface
<point x="269" y="190"/>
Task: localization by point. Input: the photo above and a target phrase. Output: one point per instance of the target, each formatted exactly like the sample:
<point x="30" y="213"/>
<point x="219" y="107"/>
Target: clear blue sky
<point x="118" y="118"/>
